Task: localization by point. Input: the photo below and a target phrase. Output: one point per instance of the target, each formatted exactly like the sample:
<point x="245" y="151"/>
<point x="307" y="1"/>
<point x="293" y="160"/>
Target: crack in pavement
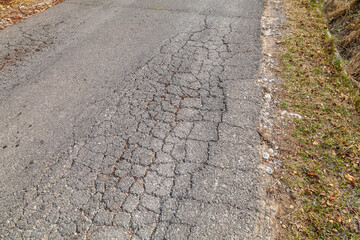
<point x="172" y="156"/>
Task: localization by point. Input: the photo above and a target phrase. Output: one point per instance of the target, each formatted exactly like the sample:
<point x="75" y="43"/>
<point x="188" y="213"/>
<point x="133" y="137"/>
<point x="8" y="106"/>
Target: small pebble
<point x="269" y="170"/>
<point x="271" y="152"/>
<point x="266" y="155"/>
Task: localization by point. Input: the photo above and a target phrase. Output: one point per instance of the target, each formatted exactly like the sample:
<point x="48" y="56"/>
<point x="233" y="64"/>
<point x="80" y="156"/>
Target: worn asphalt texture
<point x="131" y="120"/>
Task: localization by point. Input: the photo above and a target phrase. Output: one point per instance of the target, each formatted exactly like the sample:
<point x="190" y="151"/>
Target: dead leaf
<point x="338" y="218"/>
<point x="307" y="192"/>
<point x="332" y="197"/>
<point x="343" y="96"/>
<point x="310" y="190"/>
<point x="313" y="175"/>
<point x="349" y="177"/>
<point x="329" y="203"/>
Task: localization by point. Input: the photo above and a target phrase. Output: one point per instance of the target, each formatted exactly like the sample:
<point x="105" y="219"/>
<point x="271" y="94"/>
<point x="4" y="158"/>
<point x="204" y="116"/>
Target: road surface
<point x="131" y="119"/>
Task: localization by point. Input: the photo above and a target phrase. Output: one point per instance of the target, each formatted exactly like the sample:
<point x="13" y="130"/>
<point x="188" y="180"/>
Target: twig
<point x="21" y="10"/>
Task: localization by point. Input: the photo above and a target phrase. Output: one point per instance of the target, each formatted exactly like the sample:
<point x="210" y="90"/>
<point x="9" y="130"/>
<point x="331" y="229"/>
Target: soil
<point x="271" y="128"/>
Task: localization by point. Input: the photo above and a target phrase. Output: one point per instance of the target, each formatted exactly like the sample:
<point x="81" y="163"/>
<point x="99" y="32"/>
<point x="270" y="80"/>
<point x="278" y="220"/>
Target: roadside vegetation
<point x="322" y="150"/>
<point x="343" y="18"/>
<point x="13" y="11"/>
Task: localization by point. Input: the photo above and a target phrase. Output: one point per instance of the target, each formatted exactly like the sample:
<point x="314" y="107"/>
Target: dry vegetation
<point x="12" y="11"/>
<point x="344" y="22"/>
<point x="322" y="150"/>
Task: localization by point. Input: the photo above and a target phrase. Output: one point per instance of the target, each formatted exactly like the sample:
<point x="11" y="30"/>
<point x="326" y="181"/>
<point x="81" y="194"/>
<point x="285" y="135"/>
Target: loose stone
<point x="269" y="170"/>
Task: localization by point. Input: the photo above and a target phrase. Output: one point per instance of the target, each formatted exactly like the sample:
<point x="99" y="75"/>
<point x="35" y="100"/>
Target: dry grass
<point x="344" y="22"/>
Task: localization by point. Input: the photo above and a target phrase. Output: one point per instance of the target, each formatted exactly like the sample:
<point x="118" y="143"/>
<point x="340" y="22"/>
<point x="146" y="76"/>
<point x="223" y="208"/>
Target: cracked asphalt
<point x="131" y="120"/>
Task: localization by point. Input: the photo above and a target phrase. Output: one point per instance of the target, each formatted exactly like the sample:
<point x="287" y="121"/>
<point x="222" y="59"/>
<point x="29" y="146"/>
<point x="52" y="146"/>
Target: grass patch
<point x="322" y="151"/>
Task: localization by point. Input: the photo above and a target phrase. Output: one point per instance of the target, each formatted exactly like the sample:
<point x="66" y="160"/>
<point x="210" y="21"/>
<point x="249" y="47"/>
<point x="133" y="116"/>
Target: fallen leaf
<point x="329" y="203"/>
<point x="349" y="177"/>
<point x="313" y="175"/>
<point x="308" y="192"/>
<point x="332" y="197"/>
<point x="338" y="218"/>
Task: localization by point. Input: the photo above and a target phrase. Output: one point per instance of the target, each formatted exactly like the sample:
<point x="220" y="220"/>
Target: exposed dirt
<point x="277" y="198"/>
<point x="13" y="11"/>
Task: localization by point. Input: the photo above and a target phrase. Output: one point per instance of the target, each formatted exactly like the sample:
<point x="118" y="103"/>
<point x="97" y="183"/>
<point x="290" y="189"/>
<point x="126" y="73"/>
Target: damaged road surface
<point x="131" y="120"/>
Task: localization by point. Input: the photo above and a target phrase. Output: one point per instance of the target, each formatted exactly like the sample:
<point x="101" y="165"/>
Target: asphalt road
<point x="131" y="120"/>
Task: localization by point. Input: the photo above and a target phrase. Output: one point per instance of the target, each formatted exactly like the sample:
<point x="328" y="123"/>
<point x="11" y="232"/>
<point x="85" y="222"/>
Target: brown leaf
<point x="351" y="179"/>
<point x="307" y="192"/>
<point x="329" y="203"/>
<point x="332" y="197"/>
<point x="310" y="190"/>
<point x="313" y="175"/>
<point x="338" y="218"/>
